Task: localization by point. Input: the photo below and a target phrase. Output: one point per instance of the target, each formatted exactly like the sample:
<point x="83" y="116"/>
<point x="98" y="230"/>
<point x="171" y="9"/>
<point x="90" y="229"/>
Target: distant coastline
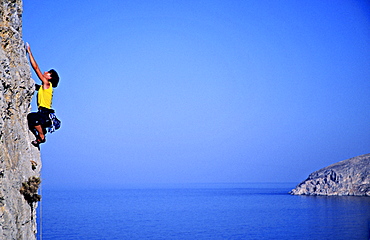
<point x="350" y="177"/>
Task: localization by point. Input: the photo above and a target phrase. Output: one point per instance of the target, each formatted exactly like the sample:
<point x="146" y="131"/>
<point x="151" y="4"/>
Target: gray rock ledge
<point x="350" y="177"/>
<point x="20" y="162"/>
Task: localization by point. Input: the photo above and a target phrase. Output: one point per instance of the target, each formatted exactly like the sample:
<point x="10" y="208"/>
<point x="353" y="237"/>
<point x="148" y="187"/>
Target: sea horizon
<point x="200" y="211"/>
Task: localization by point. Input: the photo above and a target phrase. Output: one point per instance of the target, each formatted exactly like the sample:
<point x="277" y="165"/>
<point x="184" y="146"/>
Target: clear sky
<point x="202" y="91"/>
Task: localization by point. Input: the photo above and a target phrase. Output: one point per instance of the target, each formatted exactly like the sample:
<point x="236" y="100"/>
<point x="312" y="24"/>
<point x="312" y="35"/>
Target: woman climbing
<point x="38" y="121"/>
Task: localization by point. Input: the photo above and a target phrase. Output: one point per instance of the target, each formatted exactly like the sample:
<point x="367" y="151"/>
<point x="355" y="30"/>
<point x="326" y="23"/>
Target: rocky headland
<point x="19" y="161"/>
<point x="350" y="177"/>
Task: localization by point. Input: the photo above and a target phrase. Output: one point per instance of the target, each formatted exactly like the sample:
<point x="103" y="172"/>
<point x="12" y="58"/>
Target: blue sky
<point x="202" y="91"/>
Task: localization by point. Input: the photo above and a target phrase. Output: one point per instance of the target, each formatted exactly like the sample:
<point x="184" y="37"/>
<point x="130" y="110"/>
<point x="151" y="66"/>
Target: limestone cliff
<point x="350" y="177"/>
<point x="19" y="177"/>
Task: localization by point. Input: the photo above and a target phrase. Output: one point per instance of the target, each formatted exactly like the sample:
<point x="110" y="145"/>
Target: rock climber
<point x="39" y="121"/>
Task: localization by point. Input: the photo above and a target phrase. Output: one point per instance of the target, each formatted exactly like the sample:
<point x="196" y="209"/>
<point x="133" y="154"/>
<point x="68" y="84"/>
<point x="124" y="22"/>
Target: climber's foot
<point x="38" y="141"/>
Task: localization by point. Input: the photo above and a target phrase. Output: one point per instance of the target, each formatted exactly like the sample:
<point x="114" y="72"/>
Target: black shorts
<point x="39" y="118"/>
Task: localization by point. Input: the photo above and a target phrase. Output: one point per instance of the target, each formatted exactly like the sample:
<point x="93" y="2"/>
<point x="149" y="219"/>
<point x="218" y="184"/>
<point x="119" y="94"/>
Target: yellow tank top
<point x="45" y="97"/>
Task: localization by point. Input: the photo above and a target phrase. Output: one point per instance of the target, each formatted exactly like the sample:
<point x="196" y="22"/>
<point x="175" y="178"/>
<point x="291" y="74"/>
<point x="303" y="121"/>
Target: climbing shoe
<point x="38" y="141"/>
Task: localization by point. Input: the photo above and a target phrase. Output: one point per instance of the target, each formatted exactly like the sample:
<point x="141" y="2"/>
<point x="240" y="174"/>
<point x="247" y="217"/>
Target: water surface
<point x="214" y="211"/>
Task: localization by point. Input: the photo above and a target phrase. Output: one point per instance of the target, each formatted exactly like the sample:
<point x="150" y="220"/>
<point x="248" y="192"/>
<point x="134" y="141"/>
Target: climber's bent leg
<point x="40" y="132"/>
<point x="35" y="121"/>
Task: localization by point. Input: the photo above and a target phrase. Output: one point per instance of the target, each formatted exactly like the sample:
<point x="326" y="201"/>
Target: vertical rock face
<point x="350" y="177"/>
<point x="17" y="215"/>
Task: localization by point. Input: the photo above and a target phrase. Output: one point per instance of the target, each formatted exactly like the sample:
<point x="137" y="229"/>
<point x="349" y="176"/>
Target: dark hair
<point x="54" y="78"/>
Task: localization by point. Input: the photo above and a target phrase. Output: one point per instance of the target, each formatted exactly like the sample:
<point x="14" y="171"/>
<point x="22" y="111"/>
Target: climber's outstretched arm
<point x="35" y="66"/>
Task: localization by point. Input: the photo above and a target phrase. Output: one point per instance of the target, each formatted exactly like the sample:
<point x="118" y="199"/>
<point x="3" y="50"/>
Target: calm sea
<point x="215" y="211"/>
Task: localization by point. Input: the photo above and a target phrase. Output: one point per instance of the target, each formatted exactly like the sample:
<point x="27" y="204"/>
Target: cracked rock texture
<point x="350" y="177"/>
<point x="17" y="216"/>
